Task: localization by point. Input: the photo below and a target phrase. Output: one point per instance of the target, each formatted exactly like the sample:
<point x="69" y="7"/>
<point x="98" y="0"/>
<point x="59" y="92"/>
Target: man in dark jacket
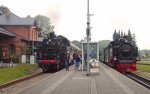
<point x="67" y="61"/>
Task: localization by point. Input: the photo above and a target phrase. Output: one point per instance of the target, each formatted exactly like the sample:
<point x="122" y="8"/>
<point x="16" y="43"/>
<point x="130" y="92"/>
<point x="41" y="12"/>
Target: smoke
<point x="119" y="23"/>
<point x="55" y="13"/>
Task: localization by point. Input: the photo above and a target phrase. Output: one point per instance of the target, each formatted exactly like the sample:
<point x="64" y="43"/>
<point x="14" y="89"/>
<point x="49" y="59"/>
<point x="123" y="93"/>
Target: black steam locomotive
<point x="121" y="55"/>
<point x="52" y="52"/>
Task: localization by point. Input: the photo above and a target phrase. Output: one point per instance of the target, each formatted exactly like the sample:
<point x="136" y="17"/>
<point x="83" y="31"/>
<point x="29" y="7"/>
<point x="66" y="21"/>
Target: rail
<point x="143" y="81"/>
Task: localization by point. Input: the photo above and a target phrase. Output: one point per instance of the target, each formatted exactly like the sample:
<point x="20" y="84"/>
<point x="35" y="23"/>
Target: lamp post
<point x="32" y="58"/>
<point x="88" y="35"/>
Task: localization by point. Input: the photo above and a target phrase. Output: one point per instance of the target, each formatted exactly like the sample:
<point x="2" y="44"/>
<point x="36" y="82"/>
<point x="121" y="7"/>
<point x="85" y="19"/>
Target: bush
<point x="14" y="58"/>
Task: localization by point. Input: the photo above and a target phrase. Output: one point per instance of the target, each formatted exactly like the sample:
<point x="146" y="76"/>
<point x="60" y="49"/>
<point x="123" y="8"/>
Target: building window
<point x="12" y="49"/>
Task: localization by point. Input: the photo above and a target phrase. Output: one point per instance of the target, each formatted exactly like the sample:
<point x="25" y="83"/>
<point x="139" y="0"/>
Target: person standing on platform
<point x="74" y="57"/>
<point x="67" y="61"/>
<point x="78" y="60"/>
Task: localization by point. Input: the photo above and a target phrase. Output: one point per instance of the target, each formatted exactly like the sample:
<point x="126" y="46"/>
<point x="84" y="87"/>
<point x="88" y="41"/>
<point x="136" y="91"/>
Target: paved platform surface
<point x="106" y="81"/>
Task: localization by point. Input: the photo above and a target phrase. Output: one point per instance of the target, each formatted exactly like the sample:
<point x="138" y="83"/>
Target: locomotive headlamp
<point x="115" y="58"/>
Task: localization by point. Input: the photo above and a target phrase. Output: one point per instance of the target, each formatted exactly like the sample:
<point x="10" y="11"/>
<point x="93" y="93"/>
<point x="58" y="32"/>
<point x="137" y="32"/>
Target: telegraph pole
<point x="88" y="32"/>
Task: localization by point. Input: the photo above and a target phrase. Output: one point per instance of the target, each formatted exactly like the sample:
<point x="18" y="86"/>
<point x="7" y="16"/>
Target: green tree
<point x="121" y="34"/>
<point x="129" y="36"/>
<point x="124" y="34"/>
<point x="3" y="9"/>
<point x="103" y="44"/>
<point x="44" y="24"/>
<point x="77" y="43"/>
<point x="28" y="16"/>
<point x="114" y="35"/>
<point x="133" y="40"/>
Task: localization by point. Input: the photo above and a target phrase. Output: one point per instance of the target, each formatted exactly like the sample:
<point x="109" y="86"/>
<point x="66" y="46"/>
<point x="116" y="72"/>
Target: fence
<point x="6" y="64"/>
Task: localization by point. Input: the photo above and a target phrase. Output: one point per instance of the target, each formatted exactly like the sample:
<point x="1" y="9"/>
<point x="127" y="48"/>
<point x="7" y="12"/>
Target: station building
<point x="16" y="33"/>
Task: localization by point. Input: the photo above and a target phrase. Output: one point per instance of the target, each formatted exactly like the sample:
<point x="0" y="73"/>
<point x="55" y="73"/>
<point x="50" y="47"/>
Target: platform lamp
<point x="88" y="34"/>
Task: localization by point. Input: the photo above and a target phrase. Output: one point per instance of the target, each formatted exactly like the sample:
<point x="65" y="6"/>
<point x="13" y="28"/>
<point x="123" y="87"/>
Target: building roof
<point x="6" y="32"/>
<point x="13" y="19"/>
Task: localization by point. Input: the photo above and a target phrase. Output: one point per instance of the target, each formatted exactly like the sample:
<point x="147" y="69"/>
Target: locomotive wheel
<point x="44" y="70"/>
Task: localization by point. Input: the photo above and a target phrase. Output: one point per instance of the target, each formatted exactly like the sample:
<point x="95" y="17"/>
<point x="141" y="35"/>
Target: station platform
<point x="106" y="81"/>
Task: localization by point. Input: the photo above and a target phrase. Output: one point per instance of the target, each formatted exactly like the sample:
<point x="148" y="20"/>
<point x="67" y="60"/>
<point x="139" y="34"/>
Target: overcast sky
<point x="69" y="17"/>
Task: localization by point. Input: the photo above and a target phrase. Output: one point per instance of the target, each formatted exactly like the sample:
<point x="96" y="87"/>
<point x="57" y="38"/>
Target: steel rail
<point x="143" y="81"/>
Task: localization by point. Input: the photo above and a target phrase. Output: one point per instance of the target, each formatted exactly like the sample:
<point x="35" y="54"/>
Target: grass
<point x="18" y="71"/>
<point x="144" y="62"/>
<point x="143" y="70"/>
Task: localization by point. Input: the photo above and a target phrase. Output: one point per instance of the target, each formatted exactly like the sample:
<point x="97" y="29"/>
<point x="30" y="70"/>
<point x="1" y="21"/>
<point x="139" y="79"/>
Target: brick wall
<point x="24" y="31"/>
<point x="33" y="34"/>
<point x="6" y="42"/>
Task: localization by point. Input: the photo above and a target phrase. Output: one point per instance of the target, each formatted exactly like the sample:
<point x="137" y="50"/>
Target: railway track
<point x="143" y="81"/>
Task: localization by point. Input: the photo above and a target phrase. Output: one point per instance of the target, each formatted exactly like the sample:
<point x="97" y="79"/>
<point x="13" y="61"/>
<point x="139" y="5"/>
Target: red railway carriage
<point x="121" y="55"/>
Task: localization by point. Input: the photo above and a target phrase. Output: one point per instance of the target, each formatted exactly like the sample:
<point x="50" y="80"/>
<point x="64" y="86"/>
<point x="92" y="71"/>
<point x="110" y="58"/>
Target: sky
<point x="70" y="16"/>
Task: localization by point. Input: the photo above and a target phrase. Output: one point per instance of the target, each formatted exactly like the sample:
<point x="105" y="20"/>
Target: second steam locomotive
<point x="121" y="55"/>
